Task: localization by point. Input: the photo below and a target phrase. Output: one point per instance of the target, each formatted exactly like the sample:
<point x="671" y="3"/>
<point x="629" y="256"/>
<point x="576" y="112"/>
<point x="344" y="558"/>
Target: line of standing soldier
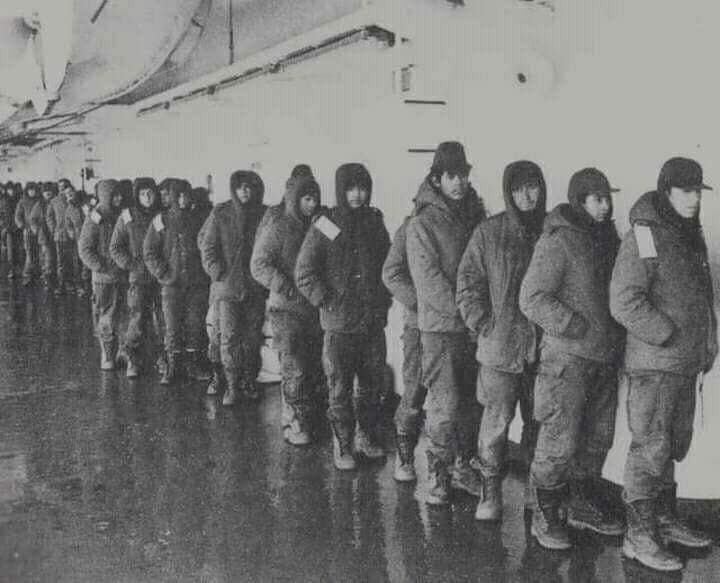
<point x="541" y="310"/>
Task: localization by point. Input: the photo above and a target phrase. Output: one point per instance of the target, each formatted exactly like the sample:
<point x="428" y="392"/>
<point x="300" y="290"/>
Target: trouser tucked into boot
<point x="643" y="540"/>
<point x="299" y="345"/>
<point x="346" y="356"/>
<point x="241" y="337"/>
<point x="575" y="406"/>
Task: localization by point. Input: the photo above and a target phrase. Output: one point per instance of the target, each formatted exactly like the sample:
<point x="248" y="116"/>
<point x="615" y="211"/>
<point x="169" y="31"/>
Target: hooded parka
<point x="663" y="294"/>
<point x="436" y="239"/>
<point x="229" y="238"/>
<point x="97" y="230"/>
<point x="343" y="276"/>
<point x="490" y="274"/>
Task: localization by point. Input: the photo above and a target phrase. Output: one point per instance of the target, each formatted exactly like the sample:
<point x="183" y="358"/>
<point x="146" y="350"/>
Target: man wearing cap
<point x="489" y="278"/>
<point x="566" y="293"/>
<point x="661" y="291"/>
<point x="447" y="211"/>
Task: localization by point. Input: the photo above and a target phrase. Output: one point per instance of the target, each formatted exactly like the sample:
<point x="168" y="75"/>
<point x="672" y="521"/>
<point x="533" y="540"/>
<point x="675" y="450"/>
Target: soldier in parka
<point x="489" y="278"/>
<point x="107" y="278"/>
<point x="339" y="270"/>
<point x="143" y="294"/>
<point x="55" y="218"/>
<point x="447" y="210"/>
<point x="44" y="232"/>
<point x="10" y="234"/>
<point x="566" y="292"/>
<point x="295" y="322"/>
<point x="75" y="213"/>
<point x="23" y="211"/>
<point x="171" y="255"/>
<point x="408" y="417"/>
<point x="662" y="292"/>
<point x="227" y="244"/>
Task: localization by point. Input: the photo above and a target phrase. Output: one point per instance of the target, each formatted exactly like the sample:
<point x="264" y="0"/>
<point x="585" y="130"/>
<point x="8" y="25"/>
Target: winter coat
<point x="24" y="210"/>
<point x="8" y="205"/>
<point x="228" y="242"/>
<point x="276" y="250"/>
<point x="97" y="230"/>
<point x="396" y="275"/>
<point x="342" y="275"/>
<point x="661" y="291"/>
<point x="489" y="277"/>
<point x="38" y="221"/>
<point x="126" y="245"/>
<point x="55" y="218"/>
<point x="170" y="248"/>
<point x="74" y="218"/>
<point x="436" y="239"/>
<point x="563" y="291"/>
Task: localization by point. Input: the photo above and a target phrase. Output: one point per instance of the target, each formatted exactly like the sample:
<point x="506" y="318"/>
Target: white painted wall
<point x="619" y="85"/>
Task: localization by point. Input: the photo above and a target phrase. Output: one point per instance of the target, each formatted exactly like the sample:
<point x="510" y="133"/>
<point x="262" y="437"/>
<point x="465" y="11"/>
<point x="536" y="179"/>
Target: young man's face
<point x="243" y="193"/>
<point x="165" y="197"/>
<point x="117" y="200"/>
<point x="526" y="197"/>
<point x="146" y="196"/>
<point x="31" y="192"/>
<point x="308" y="204"/>
<point x="598" y="206"/>
<point x="184" y="200"/>
<point x="357" y="197"/>
<point x="454" y="185"/>
<point x="686" y="202"/>
<point x="69" y="193"/>
<point x="47" y="194"/>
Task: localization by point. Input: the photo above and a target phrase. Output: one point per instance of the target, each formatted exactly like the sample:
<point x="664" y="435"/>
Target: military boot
<point x="405" y="458"/>
<point x="365" y="445"/>
<point x="549" y="521"/>
<point x="217" y="381"/>
<point x="133" y="366"/>
<point x="438" y="481"/>
<point x="343" y="447"/>
<point x="586" y="510"/>
<point x="491" y="501"/>
<point x="672" y="529"/>
<point x="465" y="477"/>
<point x="232" y="393"/>
<point x="172" y="369"/>
<point x="194" y="366"/>
<point x="643" y="541"/>
<point x="107" y="355"/>
<point x="295" y="433"/>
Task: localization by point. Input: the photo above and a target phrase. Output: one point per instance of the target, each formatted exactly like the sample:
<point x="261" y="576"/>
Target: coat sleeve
<point x="266" y="260"/>
<point x="539" y="291"/>
<point x="309" y="268"/>
<point x="211" y="248"/>
<point x="88" y="246"/>
<point x="120" y="246"/>
<point x="473" y="286"/>
<point x="51" y="218"/>
<point x="432" y="285"/>
<point x="20" y="216"/>
<point x="396" y="271"/>
<point x="629" y="296"/>
<point x="153" y="253"/>
<point x="37" y="216"/>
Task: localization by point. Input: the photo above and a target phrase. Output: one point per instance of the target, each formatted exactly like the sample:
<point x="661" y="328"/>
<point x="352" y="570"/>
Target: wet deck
<point x="102" y="479"/>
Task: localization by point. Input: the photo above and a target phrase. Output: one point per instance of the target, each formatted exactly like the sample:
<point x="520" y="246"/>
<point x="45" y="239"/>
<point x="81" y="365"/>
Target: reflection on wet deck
<point x="102" y="479"/>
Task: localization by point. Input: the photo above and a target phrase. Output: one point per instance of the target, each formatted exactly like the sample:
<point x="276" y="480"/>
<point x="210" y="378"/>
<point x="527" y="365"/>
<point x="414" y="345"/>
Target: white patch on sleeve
<point x="126" y="216"/>
<point x="327" y="227"/>
<point x="645" y="242"/>
<point x="158" y="223"/>
<point x="96" y="217"/>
